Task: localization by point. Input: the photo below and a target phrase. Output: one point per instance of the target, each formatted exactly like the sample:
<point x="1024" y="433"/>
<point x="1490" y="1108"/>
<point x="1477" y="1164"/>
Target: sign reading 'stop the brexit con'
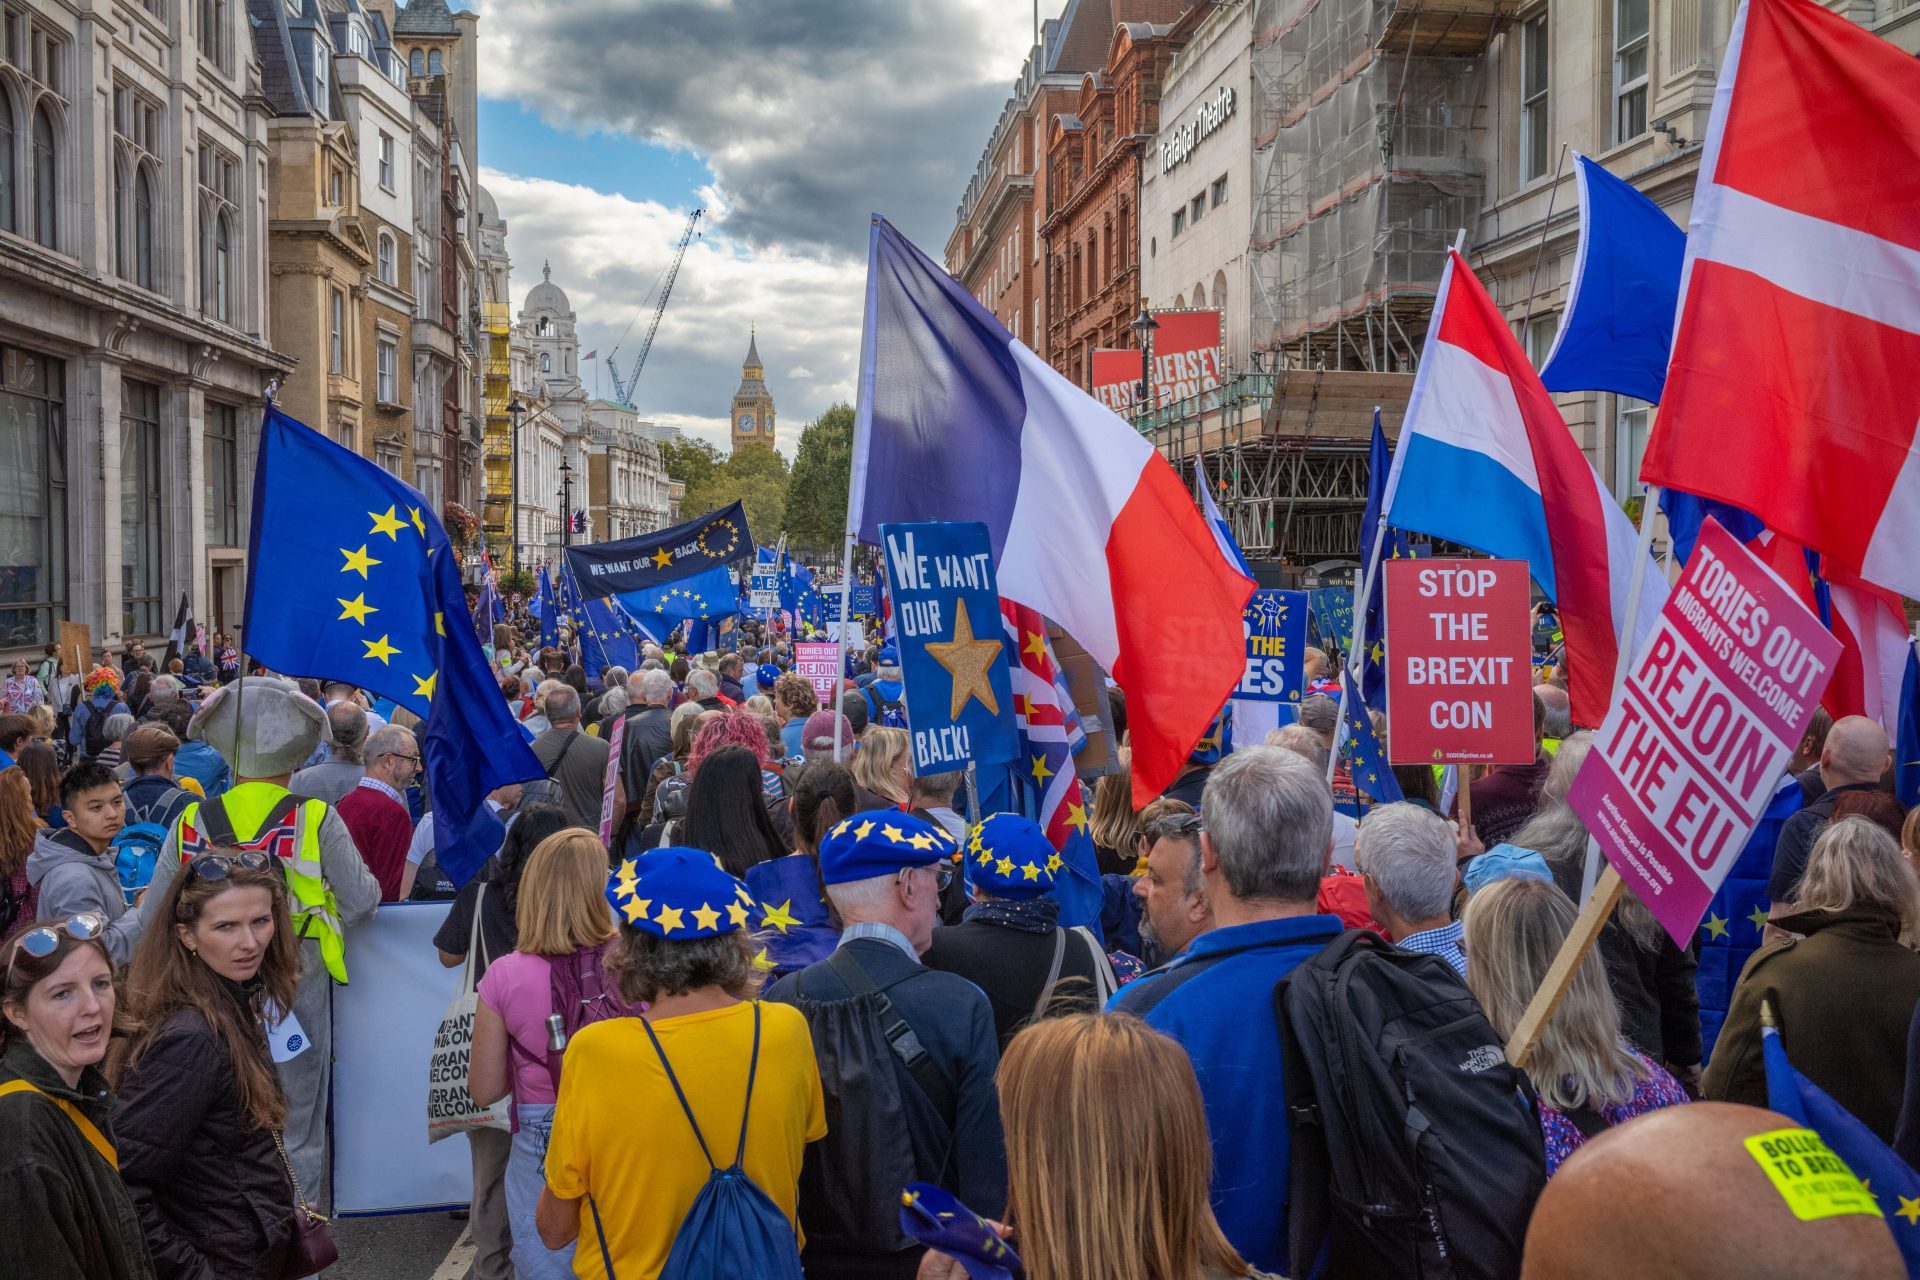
<point x="1459" y="675"/>
<point x="953" y="661"/>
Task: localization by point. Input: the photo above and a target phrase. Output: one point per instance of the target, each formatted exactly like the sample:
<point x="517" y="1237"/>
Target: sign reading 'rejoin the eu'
<point x="953" y="657"/>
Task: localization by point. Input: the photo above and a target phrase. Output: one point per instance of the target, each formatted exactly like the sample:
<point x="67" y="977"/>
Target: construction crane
<point x="623" y="387"/>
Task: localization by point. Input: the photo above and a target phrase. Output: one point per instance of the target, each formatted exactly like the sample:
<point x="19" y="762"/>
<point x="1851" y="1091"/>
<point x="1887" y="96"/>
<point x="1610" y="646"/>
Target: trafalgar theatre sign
<point x="1207" y="117"/>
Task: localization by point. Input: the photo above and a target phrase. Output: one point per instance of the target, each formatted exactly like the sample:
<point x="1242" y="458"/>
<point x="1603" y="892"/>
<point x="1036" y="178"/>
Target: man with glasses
<point x="927" y="1110"/>
<point x="375" y="811"/>
<point x="1173" y="899"/>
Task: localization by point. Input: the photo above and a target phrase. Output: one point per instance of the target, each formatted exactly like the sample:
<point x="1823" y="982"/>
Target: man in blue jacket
<point x="1267" y="843"/>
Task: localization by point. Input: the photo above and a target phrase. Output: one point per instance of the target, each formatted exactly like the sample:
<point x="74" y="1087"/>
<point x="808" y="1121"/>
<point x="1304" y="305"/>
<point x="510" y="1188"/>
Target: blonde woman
<point x="1105" y="1183"/>
<point x="565" y="929"/>
<point x="883" y="768"/>
<point x="1116" y="823"/>
<point x="1587" y="1076"/>
<point x="1843" y="991"/>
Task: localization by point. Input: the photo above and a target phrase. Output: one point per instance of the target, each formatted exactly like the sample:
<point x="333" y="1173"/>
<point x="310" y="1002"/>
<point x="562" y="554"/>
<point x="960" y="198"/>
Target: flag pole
<point x="857" y="473"/>
<point x="1605" y="891"/>
<point x="1546" y="223"/>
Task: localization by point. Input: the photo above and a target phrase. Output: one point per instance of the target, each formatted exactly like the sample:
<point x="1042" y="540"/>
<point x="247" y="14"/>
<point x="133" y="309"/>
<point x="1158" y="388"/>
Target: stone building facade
<point x="627" y="486"/>
<point x="134" y="201"/>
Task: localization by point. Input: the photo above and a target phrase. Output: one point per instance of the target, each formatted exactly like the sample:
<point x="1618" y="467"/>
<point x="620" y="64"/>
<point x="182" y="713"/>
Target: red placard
<point x="1459" y="662"/>
<point x="1186" y="363"/>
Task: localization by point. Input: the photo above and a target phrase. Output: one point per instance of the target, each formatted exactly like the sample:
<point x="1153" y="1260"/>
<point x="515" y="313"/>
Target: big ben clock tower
<point x="752" y="415"/>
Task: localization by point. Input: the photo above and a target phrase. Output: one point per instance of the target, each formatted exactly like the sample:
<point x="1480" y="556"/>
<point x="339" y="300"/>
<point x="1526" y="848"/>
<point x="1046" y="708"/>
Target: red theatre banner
<point x="1714" y="703"/>
<point x="1186" y="362"/>
<point x="1459" y="662"/>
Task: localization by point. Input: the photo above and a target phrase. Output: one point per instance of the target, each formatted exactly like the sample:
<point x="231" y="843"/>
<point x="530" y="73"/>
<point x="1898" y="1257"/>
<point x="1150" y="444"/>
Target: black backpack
<point x="95" y="734"/>
<point x="1417" y="1152"/>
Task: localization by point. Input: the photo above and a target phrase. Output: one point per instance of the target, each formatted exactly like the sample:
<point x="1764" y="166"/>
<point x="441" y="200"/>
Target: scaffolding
<point x="497" y="443"/>
<point x="1367" y="162"/>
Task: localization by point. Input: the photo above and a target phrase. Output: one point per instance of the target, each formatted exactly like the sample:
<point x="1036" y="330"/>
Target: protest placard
<point x="1713" y="704"/>
<point x="1275" y="624"/>
<point x="763" y="590"/>
<point x="863" y="600"/>
<point x="953" y="658"/>
<point x="1459" y="675"/>
<point x="819" y="662"/>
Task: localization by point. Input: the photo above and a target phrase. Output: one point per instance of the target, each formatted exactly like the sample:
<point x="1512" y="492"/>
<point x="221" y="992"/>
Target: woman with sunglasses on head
<point x="200" y="1104"/>
<point x="68" y="1215"/>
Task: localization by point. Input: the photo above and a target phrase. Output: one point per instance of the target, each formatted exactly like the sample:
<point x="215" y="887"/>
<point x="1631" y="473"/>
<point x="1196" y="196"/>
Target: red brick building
<point x="1090" y="224"/>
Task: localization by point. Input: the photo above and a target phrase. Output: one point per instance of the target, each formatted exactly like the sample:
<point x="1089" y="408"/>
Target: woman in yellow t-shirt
<point x="623" y="1153"/>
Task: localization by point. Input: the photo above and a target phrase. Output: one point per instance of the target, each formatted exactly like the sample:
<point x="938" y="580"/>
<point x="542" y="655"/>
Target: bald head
<point x="1558" y="709"/>
<point x="1675" y="1195"/>
<point x="1857" y="751"/>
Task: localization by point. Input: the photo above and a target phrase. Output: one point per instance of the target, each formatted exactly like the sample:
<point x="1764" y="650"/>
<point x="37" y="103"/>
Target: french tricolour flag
<point x="1486" y="460"/>
<point x="1090" y="526"/>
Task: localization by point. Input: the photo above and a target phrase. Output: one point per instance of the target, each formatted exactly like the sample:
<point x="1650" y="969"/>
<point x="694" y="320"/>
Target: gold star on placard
<point x="737" y="912"/>
<point x="380" y="649"/>
<point x="1716" y="926"/>
<point x="388" y="524"/>
<point x="969" y="662"/>
<point x="705" y="917"/>
<point x="356" y="608"/>
<point x="780" y="917"/>
<point x="357" y="561"/>
<point x="669" y="919"/>
<point x="662" y="558"/>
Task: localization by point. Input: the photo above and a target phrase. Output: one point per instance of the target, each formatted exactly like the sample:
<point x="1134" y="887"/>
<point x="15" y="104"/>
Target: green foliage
<point x="691" y="462"/>
<point x="817" y="488"/>
<point x="755" y="476"/>
<point x="522" y="581"/>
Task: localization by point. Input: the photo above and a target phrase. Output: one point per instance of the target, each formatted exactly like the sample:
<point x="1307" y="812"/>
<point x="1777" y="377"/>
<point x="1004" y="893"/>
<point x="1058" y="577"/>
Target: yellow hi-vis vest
<point x="296" y="842"/>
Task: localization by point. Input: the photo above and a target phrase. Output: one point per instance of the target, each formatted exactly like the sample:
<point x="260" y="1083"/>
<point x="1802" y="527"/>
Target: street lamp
<point x="566" y="504"/>
<point x="1143" y="326"/>
<point x="514" y="408"/>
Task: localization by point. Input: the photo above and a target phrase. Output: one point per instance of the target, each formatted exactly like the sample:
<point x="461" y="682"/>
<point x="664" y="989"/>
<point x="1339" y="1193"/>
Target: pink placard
<point x="819" y="662"/>
<point x="1714" y="703"/>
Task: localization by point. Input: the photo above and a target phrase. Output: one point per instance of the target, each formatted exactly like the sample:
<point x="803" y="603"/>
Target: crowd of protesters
<point x="796" y="986"/>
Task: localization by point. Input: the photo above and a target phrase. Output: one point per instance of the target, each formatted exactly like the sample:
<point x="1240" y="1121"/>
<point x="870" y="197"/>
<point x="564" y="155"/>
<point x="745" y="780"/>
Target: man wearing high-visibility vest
<point x="266" y="728"/>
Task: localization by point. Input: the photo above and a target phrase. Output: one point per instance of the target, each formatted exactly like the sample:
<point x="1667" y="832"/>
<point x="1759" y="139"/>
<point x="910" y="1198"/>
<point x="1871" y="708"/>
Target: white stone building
<point x="627" y="489"/>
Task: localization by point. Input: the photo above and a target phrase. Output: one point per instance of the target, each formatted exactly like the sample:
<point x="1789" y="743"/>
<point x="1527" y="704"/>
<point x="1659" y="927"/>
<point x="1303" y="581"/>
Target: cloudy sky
<point x="604" y="123"/>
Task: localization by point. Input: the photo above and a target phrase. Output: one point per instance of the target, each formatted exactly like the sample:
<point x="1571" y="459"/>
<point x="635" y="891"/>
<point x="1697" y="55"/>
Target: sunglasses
<point x="218" y="866"/>
<point x="44" y="941"/>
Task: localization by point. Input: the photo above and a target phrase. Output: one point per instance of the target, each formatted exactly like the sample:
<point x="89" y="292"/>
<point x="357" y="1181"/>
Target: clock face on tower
<point x="745" y="424"/>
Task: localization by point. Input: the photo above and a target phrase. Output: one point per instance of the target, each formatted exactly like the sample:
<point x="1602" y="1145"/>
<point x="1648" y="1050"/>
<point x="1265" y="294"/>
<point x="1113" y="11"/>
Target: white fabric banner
<point x="384" y="1023"/>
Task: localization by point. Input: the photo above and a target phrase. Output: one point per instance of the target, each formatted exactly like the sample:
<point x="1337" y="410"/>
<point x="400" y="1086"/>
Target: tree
<point x="817" y="487"/>
<point x="754" y="476"/>
<point x="690" y="462"/>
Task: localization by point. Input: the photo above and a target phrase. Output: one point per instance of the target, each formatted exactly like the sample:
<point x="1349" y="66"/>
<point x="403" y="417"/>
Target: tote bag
<point x="450" y="1108"/>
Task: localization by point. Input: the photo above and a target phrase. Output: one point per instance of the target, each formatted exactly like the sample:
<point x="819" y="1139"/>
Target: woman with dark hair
<point x="67" y="1212"/>
<point x="19" y="828"/>
<point x="724" y="813"/>
<point x="575" y="677"/>
<point x="41" y="764"/>
<point x="823" y="794"/>
<point x="201" y="1107"/>
<point x="496" y="890"/>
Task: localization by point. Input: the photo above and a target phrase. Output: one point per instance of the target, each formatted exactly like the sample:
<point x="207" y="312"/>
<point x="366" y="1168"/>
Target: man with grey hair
<point x="376" y="812"/>
<point x="575" y="760"/>
<point x="596" y="710"/>
<point x="341" y="772"/>
<point x="645" y="731"/>
<point x="1173" y="902"/>
<point x="703" y="687"/>
<point x="1268" y="836"/>
<point x="1856" y="756"/>
<point x="166" y="691"/>
<point x="1558" y="722"/>
<point x="1406" y="855"/>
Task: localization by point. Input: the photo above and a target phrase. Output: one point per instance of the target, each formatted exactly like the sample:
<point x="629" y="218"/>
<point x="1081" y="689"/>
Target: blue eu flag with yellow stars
<point x="1366" y="761"/>
<point x="1393" y="546"/>
<point x="707" y="596"/>
<point x="351" y="577"/>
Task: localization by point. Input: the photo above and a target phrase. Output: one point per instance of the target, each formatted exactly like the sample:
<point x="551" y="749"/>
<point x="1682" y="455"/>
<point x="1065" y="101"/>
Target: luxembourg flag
<point x="1486" y="460"/>
<point x="1090" y="526"/>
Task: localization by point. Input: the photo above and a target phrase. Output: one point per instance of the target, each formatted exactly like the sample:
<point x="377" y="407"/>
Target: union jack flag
<point x="1050" y="732"/>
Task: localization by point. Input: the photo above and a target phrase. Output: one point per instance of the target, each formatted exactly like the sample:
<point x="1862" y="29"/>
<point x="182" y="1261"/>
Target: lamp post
<point x="1142" y="328"/>
<point x="514" y="409"/>
<point x="566" y="504"/>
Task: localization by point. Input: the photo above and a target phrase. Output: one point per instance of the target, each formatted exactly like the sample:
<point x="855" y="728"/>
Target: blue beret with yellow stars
<point x="879" y="843"/>
<point x="678" y="893"/>
<point x="1009" y="856"/>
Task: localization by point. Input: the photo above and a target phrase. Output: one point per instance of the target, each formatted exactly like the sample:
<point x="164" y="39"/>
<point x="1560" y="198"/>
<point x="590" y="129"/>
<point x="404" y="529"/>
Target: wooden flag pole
<point x="1465" y="796"/>
<point x="1573" y="953"/>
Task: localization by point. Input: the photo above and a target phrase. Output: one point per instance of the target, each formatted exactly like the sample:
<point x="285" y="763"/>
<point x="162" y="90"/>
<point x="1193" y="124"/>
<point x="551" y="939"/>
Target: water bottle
<point x="556" y="1033"/>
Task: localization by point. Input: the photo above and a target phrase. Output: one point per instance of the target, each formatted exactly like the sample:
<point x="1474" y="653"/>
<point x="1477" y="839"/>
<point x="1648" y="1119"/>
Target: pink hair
<point x="732" y="729"/>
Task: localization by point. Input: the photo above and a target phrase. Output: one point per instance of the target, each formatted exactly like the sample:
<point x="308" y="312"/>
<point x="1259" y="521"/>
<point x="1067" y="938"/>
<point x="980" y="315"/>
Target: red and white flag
<point x="1792" y="390"/>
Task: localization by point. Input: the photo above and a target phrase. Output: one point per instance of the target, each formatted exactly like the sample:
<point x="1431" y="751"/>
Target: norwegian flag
<point x="1049" y="727"/>
<point x="1791" y="390"/>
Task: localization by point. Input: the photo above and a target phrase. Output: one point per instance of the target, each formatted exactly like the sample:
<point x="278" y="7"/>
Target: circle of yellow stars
<point x="693" y="598"/>
<point x="635" y="909"/>
<point x="733" y="539"/>
<point x="987" y="859"/>
<point x="360" y="560"/>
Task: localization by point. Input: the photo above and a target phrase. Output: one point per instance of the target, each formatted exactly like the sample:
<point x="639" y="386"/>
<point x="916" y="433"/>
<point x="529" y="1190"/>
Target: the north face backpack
<point x="1417" y="1152"/>
<point x="135" y="850"/>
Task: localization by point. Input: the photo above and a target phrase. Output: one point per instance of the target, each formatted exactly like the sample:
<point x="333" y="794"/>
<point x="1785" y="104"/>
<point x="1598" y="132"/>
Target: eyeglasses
<point x="44" y="941"/>
<point x="942" y="873"/>
<point x="218" y="866"/>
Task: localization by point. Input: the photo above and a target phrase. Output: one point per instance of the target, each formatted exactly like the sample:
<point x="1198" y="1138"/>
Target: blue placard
<point x="865" y="600"/>
<point x="1333" y="607"/>
<point x="953" y="658"/>
<point x="1275" y="623"/>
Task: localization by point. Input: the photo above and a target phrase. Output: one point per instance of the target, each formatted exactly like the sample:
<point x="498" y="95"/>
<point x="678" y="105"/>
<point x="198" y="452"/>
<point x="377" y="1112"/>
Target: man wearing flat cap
<point x="895" y="1041"/>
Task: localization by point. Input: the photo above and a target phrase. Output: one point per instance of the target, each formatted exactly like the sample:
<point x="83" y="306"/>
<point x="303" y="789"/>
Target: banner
<point x="1186" y="362"/>
<point x="820" y="663"/>
<point x="1114" y="379"/>
<point x="383" y="1029"/>
<point x="1275" y="623"/>
<point x="654" y="559"/>
<point x="864" y="600"/>
<point x="764" y="592"/>
<point x="1333" y="615"/>
<point x="952" y="646"/>
<point x="1459" y="662"/>
<point x="1714" y="703"/>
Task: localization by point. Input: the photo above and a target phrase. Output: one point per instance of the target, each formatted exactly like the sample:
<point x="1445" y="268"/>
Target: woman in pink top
<point x="565" y="927"/>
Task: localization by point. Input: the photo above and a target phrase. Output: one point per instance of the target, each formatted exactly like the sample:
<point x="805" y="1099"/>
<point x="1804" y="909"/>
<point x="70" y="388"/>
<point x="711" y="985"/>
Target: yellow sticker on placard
<point x="1813" y="1181"/>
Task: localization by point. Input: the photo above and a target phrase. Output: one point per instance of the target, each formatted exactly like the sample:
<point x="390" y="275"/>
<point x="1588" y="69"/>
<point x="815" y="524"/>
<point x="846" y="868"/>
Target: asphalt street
<point x="412" y="1246"/>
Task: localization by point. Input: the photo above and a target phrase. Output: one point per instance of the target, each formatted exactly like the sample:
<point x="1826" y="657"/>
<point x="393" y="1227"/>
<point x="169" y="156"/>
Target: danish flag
<point x="1792" y="390"/>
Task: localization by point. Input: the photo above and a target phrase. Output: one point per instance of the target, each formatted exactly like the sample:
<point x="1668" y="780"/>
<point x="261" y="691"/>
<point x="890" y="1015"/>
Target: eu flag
<point x="1393" y="546"/>
<point x="1906" y="745"/>
<point x="546" y="609"/>
<point x="706" y="596"/>
<point x="1361" y="750"/>
<point x="605" y="638"/>
<point x="351" y="577"/>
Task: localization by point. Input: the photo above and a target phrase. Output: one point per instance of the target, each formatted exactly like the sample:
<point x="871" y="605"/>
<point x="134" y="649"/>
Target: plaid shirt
<point x="1443" y="942"/>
